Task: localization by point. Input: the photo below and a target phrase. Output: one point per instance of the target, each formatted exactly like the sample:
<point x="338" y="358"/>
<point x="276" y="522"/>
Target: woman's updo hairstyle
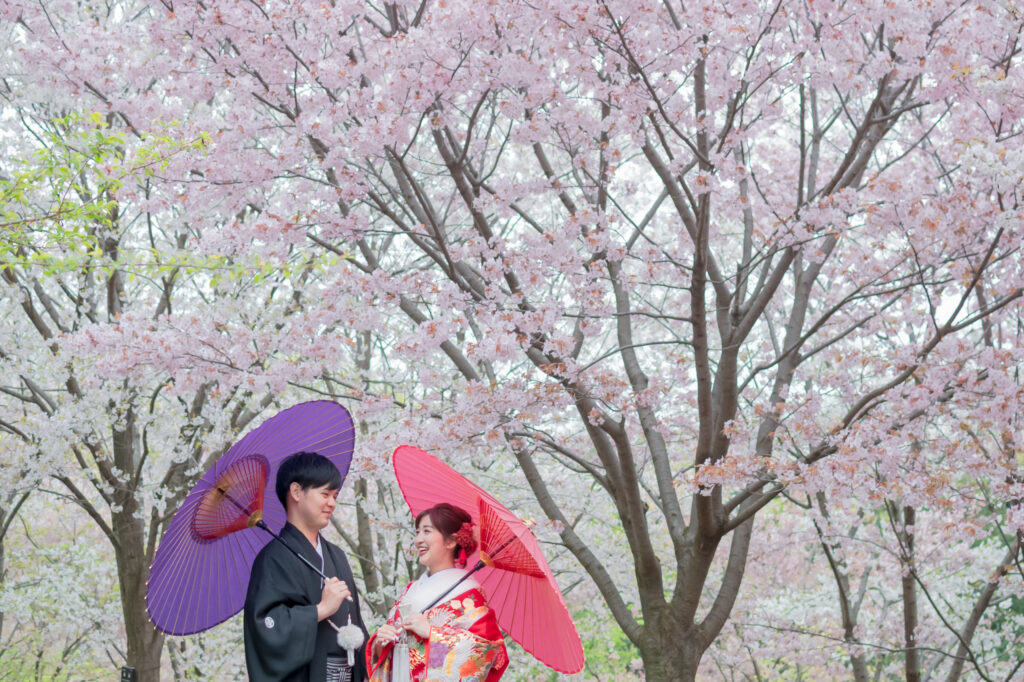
<point x="455" y="523"/>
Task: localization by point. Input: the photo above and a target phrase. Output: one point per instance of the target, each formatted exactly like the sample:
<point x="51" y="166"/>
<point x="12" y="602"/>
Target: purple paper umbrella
<point x="200" y="573"/>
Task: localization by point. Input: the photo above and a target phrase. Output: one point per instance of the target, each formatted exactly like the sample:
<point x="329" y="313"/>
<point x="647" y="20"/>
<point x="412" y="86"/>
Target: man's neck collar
<point x="312" y="536"/>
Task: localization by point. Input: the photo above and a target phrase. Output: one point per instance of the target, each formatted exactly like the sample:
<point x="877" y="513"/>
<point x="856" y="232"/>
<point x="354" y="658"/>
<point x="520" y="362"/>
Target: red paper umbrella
<point x="511" y="567"/>
<point x="201" y="569"/>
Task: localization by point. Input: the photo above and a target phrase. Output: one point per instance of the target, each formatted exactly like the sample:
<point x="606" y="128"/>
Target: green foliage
<point x="58" y="204"/>
<point x="610" y="656"/>
<point x="60" y="207"/>
<point x="1008" y="619"/>
<point x="62" y="192"/>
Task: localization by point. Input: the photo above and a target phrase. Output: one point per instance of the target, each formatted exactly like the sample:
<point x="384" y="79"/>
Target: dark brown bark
<point x="912" y="658"/>
<point x="145" y="642"/>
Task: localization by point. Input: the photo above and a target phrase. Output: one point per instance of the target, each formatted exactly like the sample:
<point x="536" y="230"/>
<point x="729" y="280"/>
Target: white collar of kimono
<point x="429" y="587"/>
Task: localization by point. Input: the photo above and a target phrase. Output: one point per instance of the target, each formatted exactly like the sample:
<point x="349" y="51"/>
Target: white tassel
<point x="350" y="638"/>
<point x="400" y="660"/>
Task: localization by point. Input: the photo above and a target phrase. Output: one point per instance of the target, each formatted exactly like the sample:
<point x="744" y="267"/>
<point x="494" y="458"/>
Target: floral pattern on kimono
<point x="465" y="644"/>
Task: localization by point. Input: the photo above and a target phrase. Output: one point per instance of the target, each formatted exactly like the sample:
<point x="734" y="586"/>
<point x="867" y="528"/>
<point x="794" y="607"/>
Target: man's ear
<point x="294" y="491"/>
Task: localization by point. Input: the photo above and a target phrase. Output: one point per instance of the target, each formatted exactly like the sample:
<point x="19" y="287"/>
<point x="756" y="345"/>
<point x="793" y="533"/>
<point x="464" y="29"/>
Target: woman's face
<point x="435" y="551"/>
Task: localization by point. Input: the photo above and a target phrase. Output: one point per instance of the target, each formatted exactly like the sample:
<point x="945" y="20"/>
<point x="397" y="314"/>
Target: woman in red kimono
<point x="457" y="638"/>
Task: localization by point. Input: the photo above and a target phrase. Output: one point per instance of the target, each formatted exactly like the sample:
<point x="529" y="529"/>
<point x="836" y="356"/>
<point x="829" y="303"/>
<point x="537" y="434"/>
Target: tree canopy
<point x="728" y="292"/>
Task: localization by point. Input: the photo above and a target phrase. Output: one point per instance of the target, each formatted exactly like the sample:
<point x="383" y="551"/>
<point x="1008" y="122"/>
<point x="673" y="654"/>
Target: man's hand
<point x="335" y="592"/>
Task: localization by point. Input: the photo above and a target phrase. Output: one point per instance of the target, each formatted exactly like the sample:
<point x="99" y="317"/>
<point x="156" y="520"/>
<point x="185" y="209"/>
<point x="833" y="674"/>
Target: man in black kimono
<point x="287" y="636"/>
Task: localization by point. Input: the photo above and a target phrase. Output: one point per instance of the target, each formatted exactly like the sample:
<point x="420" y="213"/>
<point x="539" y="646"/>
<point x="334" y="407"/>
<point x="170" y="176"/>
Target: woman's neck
<point x="437" y="569"/>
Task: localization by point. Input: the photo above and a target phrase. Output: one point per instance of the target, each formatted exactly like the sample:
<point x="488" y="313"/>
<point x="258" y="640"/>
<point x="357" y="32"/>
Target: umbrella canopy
<point x="200" y="573"/>
<point x="517" y="581"/>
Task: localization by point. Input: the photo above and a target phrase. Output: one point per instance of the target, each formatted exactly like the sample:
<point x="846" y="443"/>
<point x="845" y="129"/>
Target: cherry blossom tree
<point x="683" y="263"/>
<point x="69" y="311"/>
<point x="119" y="387"/>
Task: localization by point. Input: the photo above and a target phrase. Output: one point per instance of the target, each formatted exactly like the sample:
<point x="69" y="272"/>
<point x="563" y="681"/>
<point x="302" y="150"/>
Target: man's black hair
<point x="309" y="470"/>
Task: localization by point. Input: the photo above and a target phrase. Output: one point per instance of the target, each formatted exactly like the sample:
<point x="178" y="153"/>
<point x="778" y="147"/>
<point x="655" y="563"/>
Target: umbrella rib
<point x="504" y="586"/>
<point x="166" y="576"/>
<point x="249" y="546"/>
<point x="182" y="576"/>
<point x="179" y="577"/>
<point x="222" y="561"/>
<point x="317" y="438"/>
<point x="188" y="593"/>
<point x="539" y="642"/>
<point x="245" y="555"/>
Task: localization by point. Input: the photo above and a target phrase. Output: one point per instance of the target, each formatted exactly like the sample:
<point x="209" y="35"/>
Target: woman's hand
<point x="417" y="624"/>
<point x="386" y="634"/>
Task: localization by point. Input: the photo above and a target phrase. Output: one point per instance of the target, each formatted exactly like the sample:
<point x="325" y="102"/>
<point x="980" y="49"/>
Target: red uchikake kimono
<point x="465" y="642"/>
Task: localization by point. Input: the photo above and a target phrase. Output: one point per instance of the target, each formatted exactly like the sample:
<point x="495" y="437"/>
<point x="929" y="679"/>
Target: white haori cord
<point x="350" y="638"/>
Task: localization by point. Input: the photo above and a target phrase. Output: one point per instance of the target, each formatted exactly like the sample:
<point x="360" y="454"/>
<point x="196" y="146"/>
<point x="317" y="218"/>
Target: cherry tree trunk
<point x="145" y="642"/>
<point x="670" y="656"/>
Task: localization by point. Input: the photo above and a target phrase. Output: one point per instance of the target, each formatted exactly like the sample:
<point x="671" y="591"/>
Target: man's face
<point x="314" y="506"/>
